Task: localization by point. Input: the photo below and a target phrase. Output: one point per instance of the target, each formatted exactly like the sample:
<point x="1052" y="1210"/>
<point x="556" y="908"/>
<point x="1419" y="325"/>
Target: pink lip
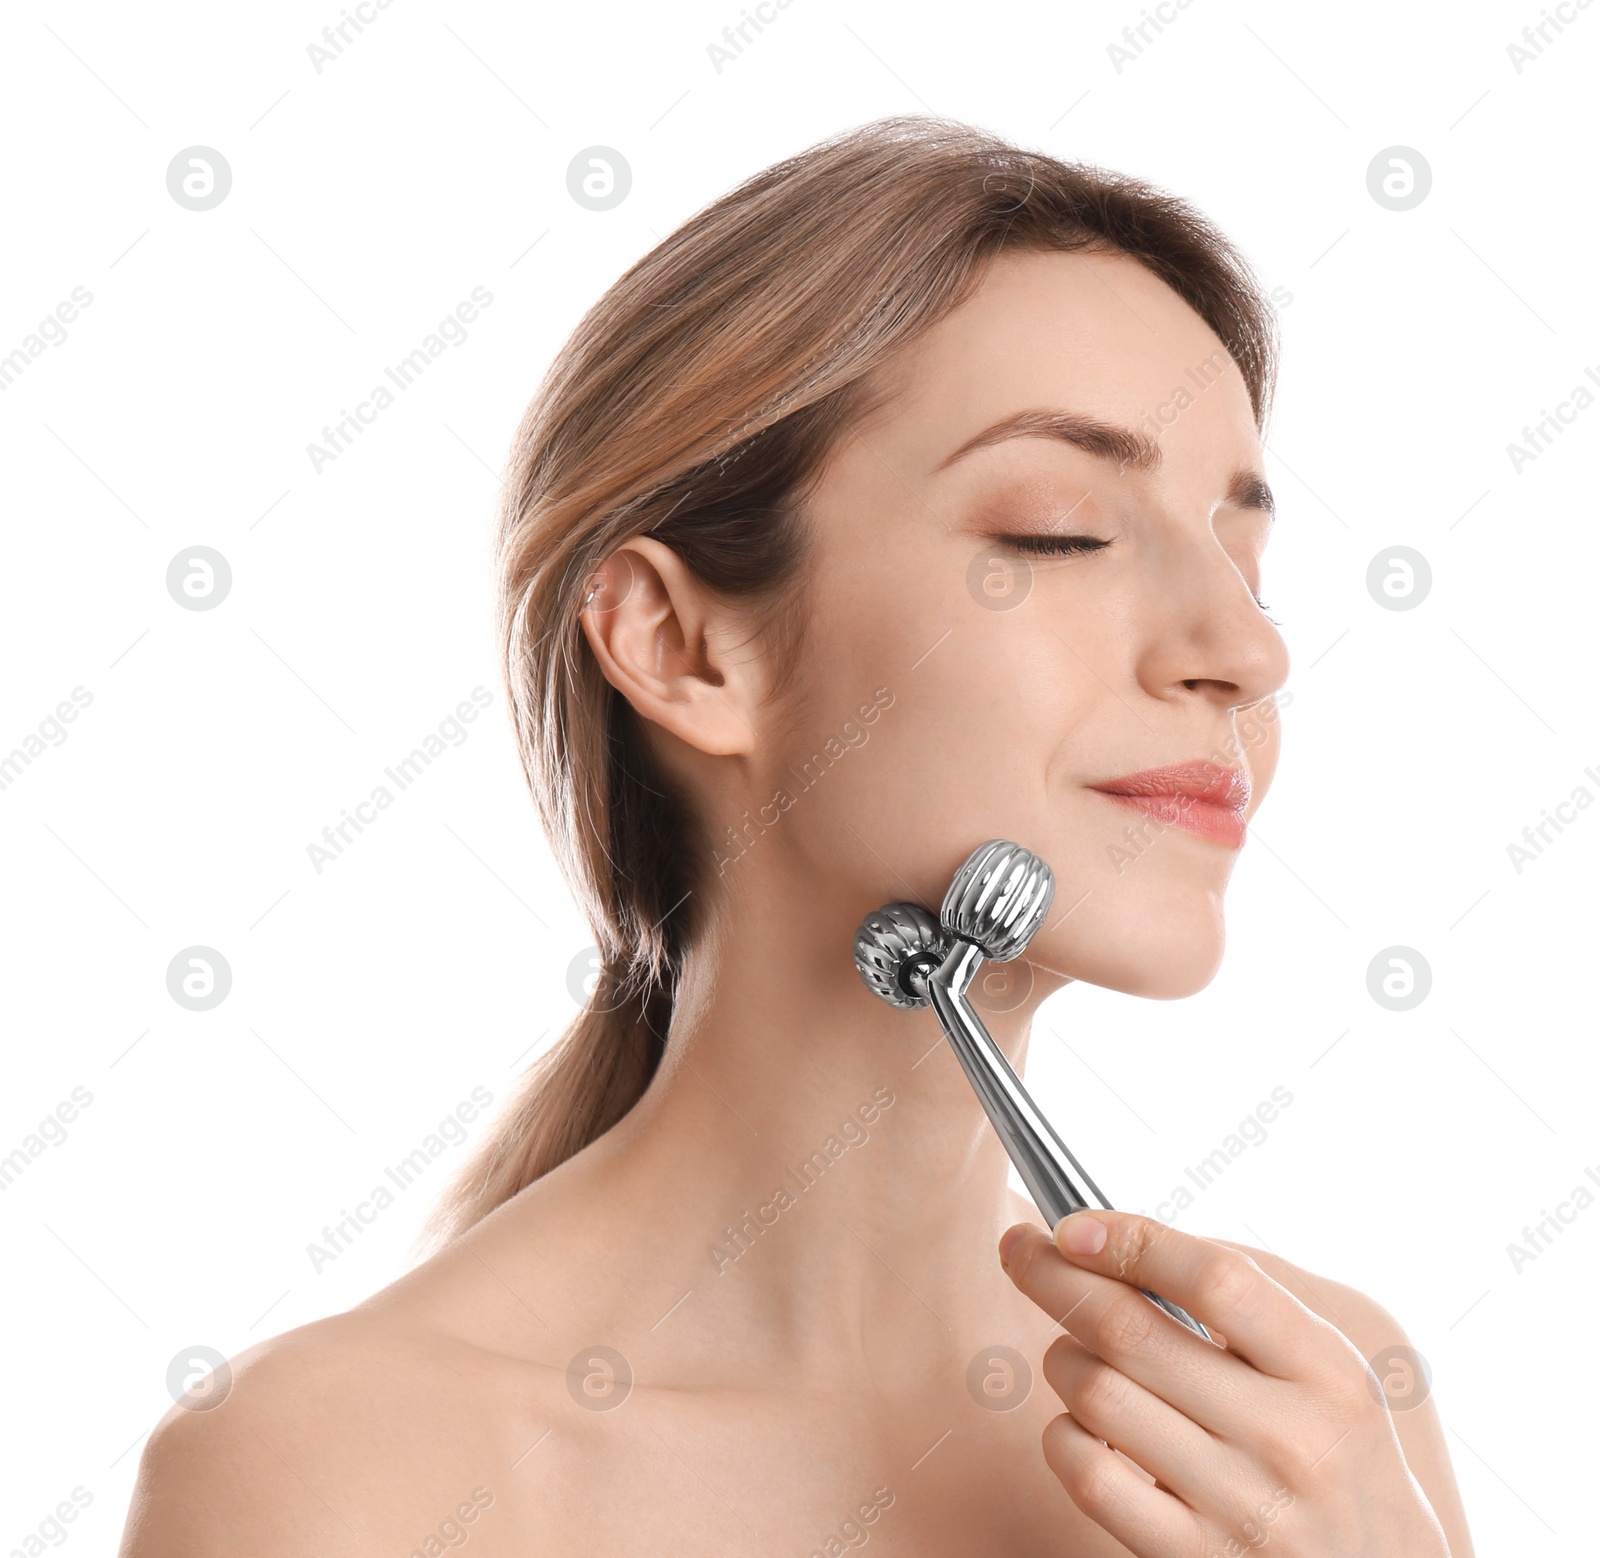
<point x="1200" y="798"/>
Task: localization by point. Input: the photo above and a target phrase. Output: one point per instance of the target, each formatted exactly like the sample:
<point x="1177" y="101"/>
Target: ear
<point x="681" y="654"/>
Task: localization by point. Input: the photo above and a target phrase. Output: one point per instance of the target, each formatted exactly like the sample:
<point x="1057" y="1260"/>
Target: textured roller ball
<point x="895" y="948"/>
<point x="998" y="899"/>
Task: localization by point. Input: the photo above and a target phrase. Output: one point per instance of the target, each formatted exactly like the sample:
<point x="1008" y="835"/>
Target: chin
<point x="1162" y="947"/>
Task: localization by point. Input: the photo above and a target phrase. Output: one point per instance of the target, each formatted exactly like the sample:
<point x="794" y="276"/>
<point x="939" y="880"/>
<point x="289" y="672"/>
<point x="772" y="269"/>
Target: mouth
<point x="1199" y="797"/>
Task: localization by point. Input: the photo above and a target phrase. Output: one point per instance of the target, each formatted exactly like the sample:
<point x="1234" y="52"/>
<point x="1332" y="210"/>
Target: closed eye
<point x="1055" y="546"/>
<point x="1044" y="545"/>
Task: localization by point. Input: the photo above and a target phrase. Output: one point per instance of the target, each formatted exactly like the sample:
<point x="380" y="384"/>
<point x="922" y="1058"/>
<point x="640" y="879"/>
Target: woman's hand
<point x="1274" y="1439"/>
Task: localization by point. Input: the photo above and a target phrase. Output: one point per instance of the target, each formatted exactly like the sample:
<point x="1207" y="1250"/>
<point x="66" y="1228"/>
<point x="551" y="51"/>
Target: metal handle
<point x="1055" y="1179"/>
<point x="908" y="958"/>
<point x="1058" y="1183"/>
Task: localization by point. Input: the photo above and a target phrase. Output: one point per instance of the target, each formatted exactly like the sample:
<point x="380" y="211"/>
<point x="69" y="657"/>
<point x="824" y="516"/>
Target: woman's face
<point x="1011" y="685"/>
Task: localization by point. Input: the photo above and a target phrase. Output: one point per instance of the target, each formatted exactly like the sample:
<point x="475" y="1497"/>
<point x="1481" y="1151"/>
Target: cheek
<point x="887" y="817"/>
<point x="965" y="747"/>
<point x="988" y="721"/>
<point x="909" y="775"/>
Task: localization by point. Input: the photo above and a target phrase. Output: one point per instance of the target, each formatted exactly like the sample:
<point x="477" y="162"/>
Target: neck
<point x="814" y="1159"/>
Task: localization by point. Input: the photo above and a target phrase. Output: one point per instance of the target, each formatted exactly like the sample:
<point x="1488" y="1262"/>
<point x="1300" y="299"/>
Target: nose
<point x="1204" y="634"/>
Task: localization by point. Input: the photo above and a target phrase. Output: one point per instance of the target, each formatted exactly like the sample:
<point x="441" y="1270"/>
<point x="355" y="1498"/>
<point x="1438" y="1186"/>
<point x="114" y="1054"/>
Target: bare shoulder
<point x="1380" y="1338"/>
<point x="362" y="1433"/>
<point x="437" y="1411"/>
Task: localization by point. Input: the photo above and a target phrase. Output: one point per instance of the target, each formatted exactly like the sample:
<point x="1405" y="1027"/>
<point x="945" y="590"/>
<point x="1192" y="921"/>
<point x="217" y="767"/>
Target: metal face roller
<point x="998" y="899"/>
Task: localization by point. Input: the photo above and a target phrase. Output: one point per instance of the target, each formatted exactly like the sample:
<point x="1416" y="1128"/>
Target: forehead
<point x="1093" y="333"/>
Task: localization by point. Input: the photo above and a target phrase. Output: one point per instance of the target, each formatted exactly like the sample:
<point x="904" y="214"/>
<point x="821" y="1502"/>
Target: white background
<point x="432" y="957"/>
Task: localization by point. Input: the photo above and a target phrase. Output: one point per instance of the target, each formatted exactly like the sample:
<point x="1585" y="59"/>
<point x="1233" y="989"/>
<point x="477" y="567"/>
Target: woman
<point x="908" y="496"/>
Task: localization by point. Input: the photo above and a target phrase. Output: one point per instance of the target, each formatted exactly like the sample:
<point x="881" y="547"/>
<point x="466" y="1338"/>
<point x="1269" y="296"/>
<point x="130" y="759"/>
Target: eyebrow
<point x="1107" y="441"/>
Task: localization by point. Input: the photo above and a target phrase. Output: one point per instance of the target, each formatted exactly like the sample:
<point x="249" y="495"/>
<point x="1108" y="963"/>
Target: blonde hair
<point x="697" y="402"/>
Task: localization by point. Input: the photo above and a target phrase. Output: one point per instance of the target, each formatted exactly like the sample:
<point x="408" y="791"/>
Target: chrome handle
<point x="1055" y="1179"/>
<point x="996" y="902"/>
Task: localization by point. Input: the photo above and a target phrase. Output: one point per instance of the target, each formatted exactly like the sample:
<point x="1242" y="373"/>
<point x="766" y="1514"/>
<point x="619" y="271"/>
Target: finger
<point x="1266" y="1324"/>
<point x="1147" y="1521"/>
<point x="1172" y="1447"/>
<point x="1122" y="1327"/>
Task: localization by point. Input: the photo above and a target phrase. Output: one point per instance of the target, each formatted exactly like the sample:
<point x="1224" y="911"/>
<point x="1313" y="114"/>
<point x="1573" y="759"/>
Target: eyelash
<point x="1054" y="545"/>
<point x="1079" y="546"/>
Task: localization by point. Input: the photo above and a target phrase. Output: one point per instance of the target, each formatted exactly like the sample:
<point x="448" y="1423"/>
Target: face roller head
<point x="998" y="899"/>
<point x="897" y="947"/>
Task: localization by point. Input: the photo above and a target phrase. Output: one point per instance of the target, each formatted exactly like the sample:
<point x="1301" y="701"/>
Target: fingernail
<point x="1008" y="1242"/>
<point x="1081" y="1234"/>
